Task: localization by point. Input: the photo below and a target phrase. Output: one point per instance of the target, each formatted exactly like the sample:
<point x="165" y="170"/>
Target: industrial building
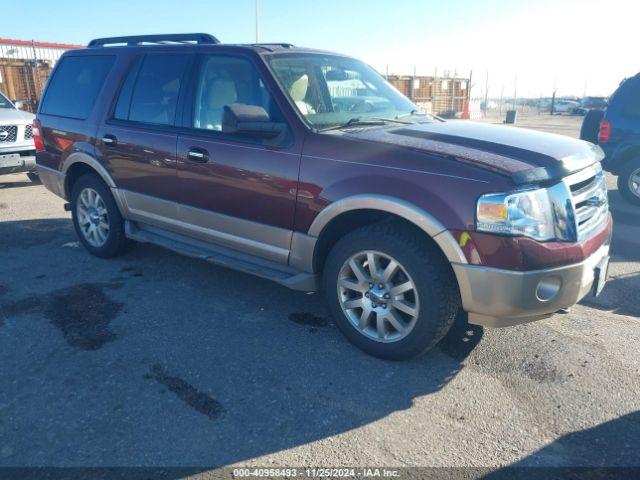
<point x="25" y="67"/>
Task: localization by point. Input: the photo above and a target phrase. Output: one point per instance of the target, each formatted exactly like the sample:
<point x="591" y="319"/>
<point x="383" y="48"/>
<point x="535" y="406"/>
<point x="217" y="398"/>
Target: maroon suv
<point x="308" y="168"/>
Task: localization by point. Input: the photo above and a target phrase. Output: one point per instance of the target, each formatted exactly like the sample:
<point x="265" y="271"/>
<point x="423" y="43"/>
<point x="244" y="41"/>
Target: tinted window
<point x="124" y="98"/>
<point x="4" y="102"/>
<point x="224" y="80"/>
<point x="632" y="100"/>
<point x="155" y="95"/>
<point x="73" y="90"/>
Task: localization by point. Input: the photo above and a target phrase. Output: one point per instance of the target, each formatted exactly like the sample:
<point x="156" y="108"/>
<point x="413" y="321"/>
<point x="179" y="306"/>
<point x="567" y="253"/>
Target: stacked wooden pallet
<point x="23" y="80"/>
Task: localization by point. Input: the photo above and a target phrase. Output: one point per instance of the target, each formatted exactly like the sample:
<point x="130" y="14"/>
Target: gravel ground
<point x="154" y="359"/>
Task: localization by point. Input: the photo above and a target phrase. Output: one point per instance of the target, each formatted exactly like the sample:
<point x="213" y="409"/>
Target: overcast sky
<point x="542" y="42"/>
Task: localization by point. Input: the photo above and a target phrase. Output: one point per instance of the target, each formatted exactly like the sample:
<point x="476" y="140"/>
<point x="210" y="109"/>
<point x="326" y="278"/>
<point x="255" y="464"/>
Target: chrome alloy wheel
<point x="93" y="218"/>
<point x="634" y="182"/>
<point x="378" y="296"/>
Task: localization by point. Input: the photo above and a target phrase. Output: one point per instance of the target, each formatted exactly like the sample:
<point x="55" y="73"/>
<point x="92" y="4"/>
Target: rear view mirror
<point x="18" y="104"/>
<point x="250" y="121"/>
<point x="336" y="76"/>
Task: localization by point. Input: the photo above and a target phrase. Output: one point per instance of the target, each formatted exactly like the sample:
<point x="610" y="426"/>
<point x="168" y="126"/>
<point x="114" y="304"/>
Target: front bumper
<point x="500" y="298"/>
<point x="17" y="161"/>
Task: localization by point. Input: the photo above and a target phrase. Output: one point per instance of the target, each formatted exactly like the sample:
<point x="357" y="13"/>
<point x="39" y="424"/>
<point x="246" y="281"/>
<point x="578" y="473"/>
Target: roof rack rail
<point x="168" y="38"/>
<point x="267" y="45"/>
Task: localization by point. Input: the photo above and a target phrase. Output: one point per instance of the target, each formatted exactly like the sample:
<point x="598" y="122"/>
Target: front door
<point x="237" y="191"/>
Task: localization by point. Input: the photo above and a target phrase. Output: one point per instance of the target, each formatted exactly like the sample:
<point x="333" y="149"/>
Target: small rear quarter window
<point x="75" y="85"/>
<point x="631" y="106"/>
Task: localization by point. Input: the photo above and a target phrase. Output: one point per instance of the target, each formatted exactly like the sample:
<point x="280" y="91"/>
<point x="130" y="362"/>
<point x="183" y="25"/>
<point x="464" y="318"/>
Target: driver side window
<point x="225" y="80"/>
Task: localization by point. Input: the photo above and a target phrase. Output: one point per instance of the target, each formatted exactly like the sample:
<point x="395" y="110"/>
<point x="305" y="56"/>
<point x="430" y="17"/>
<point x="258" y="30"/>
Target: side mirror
<point x="250" y="121"/>
<point x="18" y="104"/>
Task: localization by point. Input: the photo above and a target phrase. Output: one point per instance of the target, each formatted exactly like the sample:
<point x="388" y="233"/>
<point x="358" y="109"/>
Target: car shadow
<point x="16" y="184"/>
<point x="617" y="296"/>
<point x="606" y="451"/>
<point x="170" y="361"/>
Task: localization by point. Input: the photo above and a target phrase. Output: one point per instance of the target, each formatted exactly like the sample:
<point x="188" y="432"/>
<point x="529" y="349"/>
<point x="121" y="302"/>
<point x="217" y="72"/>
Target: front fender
<point x="419" y="217"/>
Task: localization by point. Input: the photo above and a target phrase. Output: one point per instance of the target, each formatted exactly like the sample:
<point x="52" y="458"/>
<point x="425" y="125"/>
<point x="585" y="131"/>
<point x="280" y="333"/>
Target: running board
<point x="222" y="256"/>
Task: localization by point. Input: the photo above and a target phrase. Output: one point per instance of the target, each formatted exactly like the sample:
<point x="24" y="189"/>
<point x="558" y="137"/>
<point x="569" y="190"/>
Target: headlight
<point x="526" y="213"/>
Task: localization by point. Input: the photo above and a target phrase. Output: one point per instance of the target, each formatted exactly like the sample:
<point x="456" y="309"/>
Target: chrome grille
<point x="589" y="199"/>
<point x="8" y="133"/>
<point x="28" y="132"/>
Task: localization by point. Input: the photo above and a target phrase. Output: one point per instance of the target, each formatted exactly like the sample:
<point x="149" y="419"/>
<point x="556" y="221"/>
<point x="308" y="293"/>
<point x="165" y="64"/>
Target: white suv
<point x="17" y="150"/>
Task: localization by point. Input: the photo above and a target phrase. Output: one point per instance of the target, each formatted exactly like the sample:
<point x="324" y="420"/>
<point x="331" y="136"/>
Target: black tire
<point x="631" y="167"/>
<point x="33" y="176"/>
<point x="116" y="242"/>
<point x="428" y="268"/>
<point x="591" y="125"/>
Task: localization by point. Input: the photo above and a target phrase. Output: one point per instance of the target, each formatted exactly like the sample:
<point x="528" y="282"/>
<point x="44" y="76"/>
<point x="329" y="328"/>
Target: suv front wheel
<point x="391" y="292"/>
<point x="629" y="181"/>
<point x="96" y="218"/>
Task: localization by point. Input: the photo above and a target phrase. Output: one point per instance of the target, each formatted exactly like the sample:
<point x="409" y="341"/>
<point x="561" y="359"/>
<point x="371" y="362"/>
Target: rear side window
<point x="74" y="87"/>
<point x="150" y="94"/>
<point x="632" y="100"/>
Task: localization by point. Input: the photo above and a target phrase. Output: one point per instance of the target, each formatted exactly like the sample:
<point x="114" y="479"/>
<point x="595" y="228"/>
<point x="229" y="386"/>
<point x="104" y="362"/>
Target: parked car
<point x="17" y="151"/>
<point x="566" y="107"/>
<point x="237" y="154"/>
<point x="618" y="133"/>
<point x="591" y="103"/>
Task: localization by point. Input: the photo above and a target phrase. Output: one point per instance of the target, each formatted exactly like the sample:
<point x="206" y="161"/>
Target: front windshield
<point x="331" y="90"/>
<point x="4" y="103"/>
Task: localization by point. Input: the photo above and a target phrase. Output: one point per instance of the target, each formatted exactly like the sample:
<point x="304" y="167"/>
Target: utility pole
<point x="515" y="92"/>
<point x="37" y="69"/>
<point x="413" y="84"/>
<point x="257" y="21"/>
<point x="553" y="96"/>
<point x="500" y="104"/>
<point x="486" y="93"/>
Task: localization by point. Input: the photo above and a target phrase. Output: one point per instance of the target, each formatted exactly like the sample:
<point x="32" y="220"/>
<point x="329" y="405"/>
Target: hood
<point x="527" y="156"/>
<point x="14" y="116"/>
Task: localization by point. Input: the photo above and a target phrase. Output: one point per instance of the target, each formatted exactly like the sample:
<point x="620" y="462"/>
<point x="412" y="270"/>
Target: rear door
<point x="236" y="191"/>
<point x="138" y="139"/>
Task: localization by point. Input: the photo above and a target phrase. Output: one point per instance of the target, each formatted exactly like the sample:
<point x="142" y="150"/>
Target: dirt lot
<point x="155" y="359"/>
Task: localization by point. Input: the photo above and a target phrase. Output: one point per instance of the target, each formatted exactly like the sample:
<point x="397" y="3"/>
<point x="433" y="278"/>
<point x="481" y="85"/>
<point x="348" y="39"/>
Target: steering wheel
<point x="363" y="106"/>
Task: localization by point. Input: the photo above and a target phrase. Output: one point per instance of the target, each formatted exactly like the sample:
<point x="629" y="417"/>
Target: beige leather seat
<point x="219" y="92"/>
<point x="298" y="92"/>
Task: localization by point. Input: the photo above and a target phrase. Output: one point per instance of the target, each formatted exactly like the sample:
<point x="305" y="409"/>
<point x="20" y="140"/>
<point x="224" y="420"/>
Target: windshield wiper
<point x="392" y="120"/>
<point x="408" y="114"/>
<point x="355" y="122"/>
<point x="419" y="114"/>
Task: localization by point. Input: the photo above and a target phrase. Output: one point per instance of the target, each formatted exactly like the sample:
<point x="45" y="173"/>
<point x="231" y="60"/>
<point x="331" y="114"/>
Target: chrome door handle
<point x="198" y="155"/>
<point x="109" y="140"/>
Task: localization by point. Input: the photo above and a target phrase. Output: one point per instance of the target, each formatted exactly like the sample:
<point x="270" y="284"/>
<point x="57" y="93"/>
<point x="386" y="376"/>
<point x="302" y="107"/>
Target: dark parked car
<point x="591" y="103"/>
<point x="253" y="157"/>
<point x="619" y="136"/>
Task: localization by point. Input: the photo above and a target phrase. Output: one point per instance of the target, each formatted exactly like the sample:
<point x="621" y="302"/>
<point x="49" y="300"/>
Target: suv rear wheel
<point x="629" y="181"/>
<point x="391" y="293"/>
<point x="96" y="218"/>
